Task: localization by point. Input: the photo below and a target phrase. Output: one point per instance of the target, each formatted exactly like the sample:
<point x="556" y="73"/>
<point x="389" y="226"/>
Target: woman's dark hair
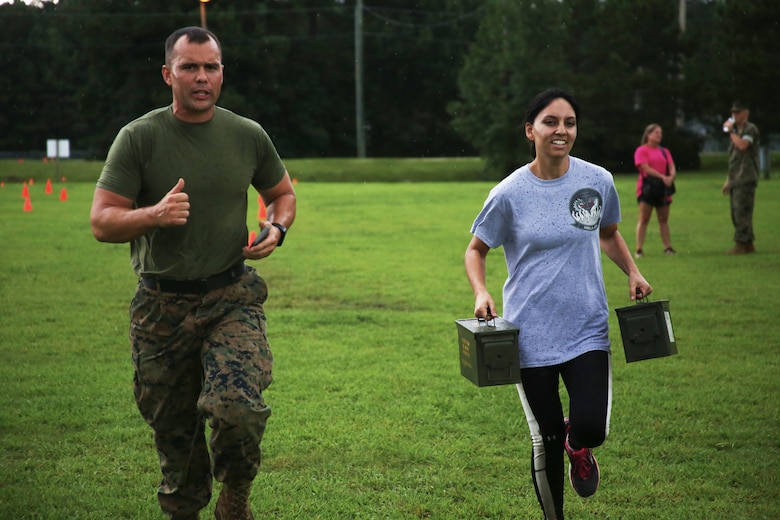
<point x="540" y="101"/>
<point x="194" y="34"/>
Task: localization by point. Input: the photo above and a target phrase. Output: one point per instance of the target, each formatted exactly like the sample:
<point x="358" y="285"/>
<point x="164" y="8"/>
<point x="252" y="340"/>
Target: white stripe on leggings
<point x="540" y="461"/>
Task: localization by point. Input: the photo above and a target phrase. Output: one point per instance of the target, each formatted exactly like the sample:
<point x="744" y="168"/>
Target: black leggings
<point x="588" y="380"/>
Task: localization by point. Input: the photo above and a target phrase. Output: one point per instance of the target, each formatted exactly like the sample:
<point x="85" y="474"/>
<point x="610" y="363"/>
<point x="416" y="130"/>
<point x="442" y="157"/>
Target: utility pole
<point x="203" y="13"/>
<point x="680" y="113"/>
<point x="359" y="116"/>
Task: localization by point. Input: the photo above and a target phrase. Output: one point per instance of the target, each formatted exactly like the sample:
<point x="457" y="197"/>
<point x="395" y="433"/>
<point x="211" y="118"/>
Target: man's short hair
<point x="194" y="34"/>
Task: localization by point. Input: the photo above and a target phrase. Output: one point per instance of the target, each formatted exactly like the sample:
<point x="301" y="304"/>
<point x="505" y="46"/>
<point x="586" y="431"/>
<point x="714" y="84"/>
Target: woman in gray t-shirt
<point x="553" y="217"/>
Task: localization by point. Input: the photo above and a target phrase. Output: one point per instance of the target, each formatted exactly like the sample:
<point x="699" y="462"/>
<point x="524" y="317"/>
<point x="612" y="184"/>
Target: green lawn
<point x="372" y="419"/>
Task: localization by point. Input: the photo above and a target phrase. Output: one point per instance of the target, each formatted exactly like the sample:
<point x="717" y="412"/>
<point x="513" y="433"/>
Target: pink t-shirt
<point x="652" y="156"/>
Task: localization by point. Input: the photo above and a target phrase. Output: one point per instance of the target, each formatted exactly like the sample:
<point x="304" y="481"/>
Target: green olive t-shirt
<point x="218" y="161"/>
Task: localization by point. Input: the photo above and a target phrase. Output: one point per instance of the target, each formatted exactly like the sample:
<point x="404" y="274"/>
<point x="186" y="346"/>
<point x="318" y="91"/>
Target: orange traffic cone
<point x="261" y="212"/>
<point x="48" y="186"/>
<point x="295" y="181"/>
<point x="32" y="181"/>
<point x="252" y="237"/>
<point x="25" y="191"/>
<point x="27" y="204"/>
<point x="63" y="195"/>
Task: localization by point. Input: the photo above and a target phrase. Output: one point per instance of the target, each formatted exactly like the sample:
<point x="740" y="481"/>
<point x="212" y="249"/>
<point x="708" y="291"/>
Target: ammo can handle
<point x="487" y="322"/>
<point x="639" y="298"/>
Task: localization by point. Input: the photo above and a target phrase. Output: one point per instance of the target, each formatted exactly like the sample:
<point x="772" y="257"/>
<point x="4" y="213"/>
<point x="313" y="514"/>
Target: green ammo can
<point x="646" y="329"/>
<point x="489" y="352"/>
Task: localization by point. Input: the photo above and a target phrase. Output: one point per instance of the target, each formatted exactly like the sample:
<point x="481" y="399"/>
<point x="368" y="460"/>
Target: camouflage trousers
<point x="742" y="201"/>
<point x="202" y="359"/>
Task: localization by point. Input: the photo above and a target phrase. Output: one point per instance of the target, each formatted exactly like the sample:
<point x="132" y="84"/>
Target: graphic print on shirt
<point x="585" y="208"/>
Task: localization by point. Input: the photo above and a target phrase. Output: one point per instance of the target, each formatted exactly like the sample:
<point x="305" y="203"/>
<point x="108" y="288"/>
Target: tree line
<point x="440" y="77"/>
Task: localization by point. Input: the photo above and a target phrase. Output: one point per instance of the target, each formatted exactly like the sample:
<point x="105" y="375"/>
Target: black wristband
<point x="283" y="230"/>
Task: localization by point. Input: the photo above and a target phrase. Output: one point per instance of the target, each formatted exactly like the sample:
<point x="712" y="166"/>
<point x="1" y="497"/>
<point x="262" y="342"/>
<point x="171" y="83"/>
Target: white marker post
<point x="56" y="149"/>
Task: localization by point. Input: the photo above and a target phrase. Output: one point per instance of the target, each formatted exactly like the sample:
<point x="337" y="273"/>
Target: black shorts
<point x="658" y="202"/>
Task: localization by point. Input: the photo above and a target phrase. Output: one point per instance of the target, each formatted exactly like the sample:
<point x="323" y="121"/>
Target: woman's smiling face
<point x="554" y="129"/>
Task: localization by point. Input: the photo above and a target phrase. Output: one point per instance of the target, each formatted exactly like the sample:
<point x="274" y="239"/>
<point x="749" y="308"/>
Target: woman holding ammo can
<point x="553" y="217"/>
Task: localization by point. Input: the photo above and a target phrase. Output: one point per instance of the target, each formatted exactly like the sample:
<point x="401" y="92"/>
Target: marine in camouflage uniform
<point x="175" y="185"/>
<point x="201" y="358"/>
<point x="742" y="179"/>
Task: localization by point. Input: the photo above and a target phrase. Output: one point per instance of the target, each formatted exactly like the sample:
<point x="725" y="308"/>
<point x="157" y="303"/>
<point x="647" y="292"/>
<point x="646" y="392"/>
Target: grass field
<point x="372" y="419"/>
<point x="392" y="170"/>
<point x="306" y="170"/>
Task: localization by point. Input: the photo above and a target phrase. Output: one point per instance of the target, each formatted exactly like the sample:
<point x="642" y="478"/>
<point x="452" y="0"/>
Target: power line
<point x="455" y="18"/>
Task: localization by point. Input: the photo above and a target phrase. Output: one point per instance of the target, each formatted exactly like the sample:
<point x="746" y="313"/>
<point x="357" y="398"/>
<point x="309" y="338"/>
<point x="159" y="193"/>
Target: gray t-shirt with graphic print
<point x="549" y="230"/>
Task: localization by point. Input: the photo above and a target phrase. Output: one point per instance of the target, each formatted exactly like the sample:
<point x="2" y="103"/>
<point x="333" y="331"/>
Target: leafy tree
<point x="503" y="69"/>
<point x="97" y="66"/>
<point x="620" y="58"/>
<point x="634" y="80"/>
<point x="25" y="88"/>
<point x="746" y="50"/>
<point x="703" y="81"/>
<point x="288" y="65"/>
<point x="413" y="52"/>
<point x="115" y="72"/>
<point x="442" y="77"/>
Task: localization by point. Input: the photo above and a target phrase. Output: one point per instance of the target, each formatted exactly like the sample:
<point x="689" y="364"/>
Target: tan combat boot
<point x="742" y="248"/>
<point x="233" y="503"/>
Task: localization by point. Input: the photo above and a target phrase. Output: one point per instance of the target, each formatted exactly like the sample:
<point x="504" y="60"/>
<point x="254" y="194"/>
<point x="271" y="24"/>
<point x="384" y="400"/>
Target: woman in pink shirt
<point x="653" y="187"/>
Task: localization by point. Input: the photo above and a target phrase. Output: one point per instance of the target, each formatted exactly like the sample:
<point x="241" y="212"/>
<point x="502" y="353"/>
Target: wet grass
<point x="372" y="419"/>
